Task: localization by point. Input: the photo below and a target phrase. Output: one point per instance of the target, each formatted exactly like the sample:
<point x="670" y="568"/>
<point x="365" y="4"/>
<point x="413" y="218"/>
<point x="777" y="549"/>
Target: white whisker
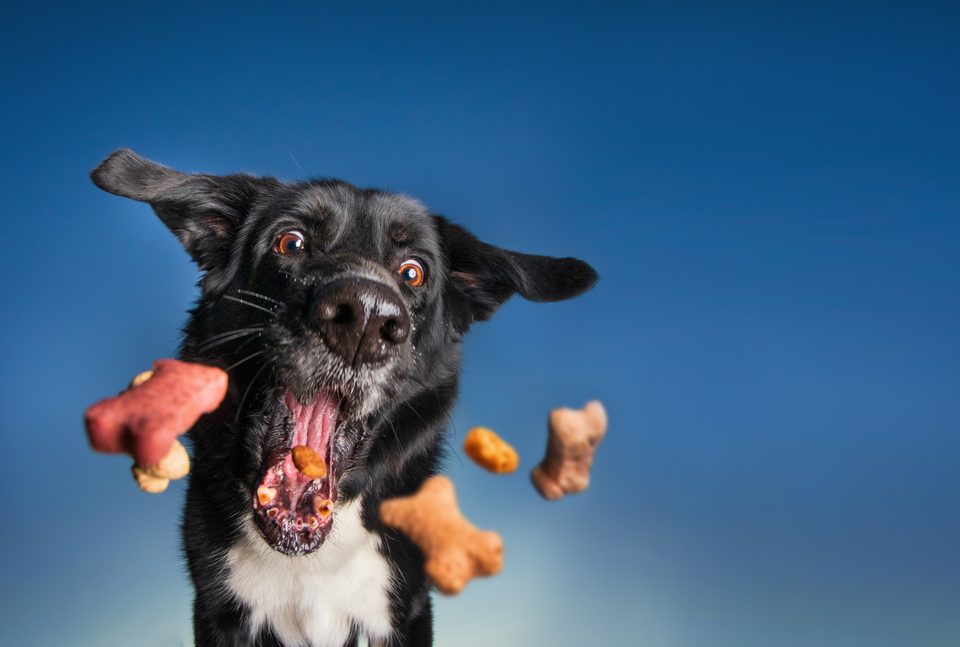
<point x="252" y="305"/>
<point x="262" y="296"/>
<point x="228" y="337"/>
<point x="247" y="392"/>
<point x="245" y="359"/>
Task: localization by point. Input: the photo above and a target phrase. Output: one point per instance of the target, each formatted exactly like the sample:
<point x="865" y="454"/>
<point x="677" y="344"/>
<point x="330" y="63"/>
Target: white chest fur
<point x="315" y="599"/>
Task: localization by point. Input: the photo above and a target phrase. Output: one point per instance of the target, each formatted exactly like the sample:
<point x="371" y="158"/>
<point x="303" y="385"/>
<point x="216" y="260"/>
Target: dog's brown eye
<point x="412" y="273"/>
<point x="290" y="242"/>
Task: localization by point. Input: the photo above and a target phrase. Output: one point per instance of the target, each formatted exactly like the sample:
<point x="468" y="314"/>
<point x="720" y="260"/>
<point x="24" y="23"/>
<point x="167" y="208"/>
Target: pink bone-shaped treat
<point x="145" y="420"/>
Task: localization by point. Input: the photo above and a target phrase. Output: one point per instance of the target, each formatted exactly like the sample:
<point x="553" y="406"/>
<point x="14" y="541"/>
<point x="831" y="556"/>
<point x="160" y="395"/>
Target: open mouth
<point x="295" y="511"/>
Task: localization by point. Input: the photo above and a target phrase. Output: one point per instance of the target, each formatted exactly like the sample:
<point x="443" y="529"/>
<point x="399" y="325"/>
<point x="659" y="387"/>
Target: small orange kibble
<point x="309" y="462"/>
<point x="490" y="452"/>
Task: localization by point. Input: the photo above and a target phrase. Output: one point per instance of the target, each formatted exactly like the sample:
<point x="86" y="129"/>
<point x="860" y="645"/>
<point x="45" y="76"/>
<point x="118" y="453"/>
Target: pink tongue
<point x="312" y="425"/>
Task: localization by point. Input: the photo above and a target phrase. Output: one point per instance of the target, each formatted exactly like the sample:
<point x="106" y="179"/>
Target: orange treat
<point x="309" y="462"/>
<point x="490" y="452"/>
<point x="455" y="551"/>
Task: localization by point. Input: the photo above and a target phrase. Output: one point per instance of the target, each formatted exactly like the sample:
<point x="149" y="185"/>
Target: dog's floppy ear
<point x="203" y="211"/>
<point x="482" y="277"/>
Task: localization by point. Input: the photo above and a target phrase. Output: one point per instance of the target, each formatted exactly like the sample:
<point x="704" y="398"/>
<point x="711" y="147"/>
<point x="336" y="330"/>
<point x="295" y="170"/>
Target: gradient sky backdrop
<point x="770" y="194"/>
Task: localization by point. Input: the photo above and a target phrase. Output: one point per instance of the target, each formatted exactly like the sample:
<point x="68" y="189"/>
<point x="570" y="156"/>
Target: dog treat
<point x="175" y="465"/>
<point x="145" y="420"/>
<point x="574" y="436"/>
<point x="490" y="452"/>
<point x="454" y="549"/>
<point x="155" y="478"/>
<point x="309" y="462"/>
<point x="140" y="378"/>
<point x="147" y="483"/>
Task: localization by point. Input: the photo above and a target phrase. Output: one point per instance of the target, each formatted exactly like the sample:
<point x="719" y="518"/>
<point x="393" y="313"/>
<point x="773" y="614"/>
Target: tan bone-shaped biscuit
<point x="155" y="478"/>
<point x="573" y="439"/>
<point x="455" y="550"/>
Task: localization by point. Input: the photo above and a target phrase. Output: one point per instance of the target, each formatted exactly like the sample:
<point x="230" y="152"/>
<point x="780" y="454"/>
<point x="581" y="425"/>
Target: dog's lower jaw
<point x="293" y="511"/>
<point x="320" y="599"/>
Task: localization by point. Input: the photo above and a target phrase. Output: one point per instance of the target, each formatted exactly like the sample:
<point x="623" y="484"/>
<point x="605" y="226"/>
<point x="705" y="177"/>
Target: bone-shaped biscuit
<point x="454" y="549"/>
<point x="573" y="439"/>
<point x="145" y="420"/>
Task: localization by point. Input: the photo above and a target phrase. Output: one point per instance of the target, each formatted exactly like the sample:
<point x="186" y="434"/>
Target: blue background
<point x="770" y="195"/>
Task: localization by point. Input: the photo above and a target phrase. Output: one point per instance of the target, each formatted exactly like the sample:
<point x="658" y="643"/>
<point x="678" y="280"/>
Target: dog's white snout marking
<point x="373" y="304"/>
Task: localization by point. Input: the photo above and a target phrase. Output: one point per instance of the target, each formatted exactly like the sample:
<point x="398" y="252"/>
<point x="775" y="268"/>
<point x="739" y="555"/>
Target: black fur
<point x="393" y="421"/>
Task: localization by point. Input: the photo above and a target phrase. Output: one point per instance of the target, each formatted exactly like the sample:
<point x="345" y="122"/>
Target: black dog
<point x="338" y="314"/>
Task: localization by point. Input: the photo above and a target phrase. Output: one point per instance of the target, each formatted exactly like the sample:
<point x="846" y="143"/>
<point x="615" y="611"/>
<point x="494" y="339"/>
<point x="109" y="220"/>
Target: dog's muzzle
<point x="359" y="319"/>
<point x="336" y="358"/>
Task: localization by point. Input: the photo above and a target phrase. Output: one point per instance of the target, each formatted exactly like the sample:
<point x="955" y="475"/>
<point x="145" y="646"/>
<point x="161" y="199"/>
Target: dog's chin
<point x="294" y="512"/>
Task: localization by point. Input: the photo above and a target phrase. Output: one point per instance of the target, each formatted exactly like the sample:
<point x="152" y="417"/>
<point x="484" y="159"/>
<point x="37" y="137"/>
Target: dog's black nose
<point x="359" y="319"/>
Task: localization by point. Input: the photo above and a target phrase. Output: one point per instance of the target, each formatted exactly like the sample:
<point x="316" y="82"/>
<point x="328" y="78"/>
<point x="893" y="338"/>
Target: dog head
<point x="338" y="313"/>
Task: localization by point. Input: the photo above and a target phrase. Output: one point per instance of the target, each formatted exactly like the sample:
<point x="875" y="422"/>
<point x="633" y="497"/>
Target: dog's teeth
<point x="266" y="494"/>
<point x="323" y="507"/>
